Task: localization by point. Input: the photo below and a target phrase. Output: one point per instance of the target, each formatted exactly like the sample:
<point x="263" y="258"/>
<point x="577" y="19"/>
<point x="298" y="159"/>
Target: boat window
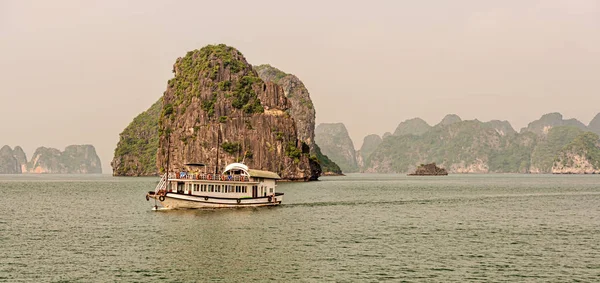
<point x="218" y="190"/>
<point x="271" y="190"/>
<point x="245" y="189"/>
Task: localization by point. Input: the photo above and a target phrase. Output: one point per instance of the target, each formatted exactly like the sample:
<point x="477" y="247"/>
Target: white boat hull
<point x="182" y="201"/>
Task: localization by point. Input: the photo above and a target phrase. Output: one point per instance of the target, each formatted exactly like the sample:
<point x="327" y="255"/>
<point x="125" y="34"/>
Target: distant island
<point x="75" y="159"/>
<point x="550" y="144"/>
<point x="429" y="170"/>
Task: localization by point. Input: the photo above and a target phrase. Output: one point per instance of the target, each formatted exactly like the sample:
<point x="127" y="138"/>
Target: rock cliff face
<point x="415" y="126"/>
<point x="581" y="156"/>
<point x="302" y="108"/>
<point x="502" y="127"/>
<point x="335" y="142"/>
<point x="594" y="125"/>
<point x="328" y="167"/>
<point x="370" y="143"/>
<point x="302" y="111"/>
<point x="449" y="120"/>
<point x="75" y="159"/>
<point x="550" y="120"/>
<point x="458" y="146"/>
<point x="21" y="158"/>
<point x="8" y="163"/>
<point x="549" y="145"/>
<point x="136" y="151"/>
<point x="216" y="100"/>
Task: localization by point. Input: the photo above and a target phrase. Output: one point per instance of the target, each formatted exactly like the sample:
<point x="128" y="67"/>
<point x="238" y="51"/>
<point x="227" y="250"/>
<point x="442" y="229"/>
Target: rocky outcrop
<point x="594" y="125"/>
<point x="335" y="142"/>
<point x="8" y="162"/>
<point x="217" y="104"/>
<point x="302" y="109"/>
<point x="370" y="143"/>
<point x="462" y="147"/>
<point x="328" y="167"/>
<point x="21" y="158"/>
<point x="502" y="127"/>
<point x="449" y="120"/>
<point x="429" y="170"/>
<point x="75" y="159"/>
<point x="550" y="120"/>
<point x="136" y="151"/>
<point x="478" y="147"/>
<point x="549" y="145"/>
<point x="415" y="126"/>
<point x="581" y="156"/>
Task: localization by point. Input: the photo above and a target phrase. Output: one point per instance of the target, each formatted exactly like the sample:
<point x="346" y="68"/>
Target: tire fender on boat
<point x="161" y="198"/>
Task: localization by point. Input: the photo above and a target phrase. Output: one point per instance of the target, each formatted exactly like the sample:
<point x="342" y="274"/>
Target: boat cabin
<point x="236" y="181"/>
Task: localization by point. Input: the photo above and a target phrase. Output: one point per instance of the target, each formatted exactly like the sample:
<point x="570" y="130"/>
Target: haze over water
<point x="533" y="228"/>
<point x="77" y="72"/>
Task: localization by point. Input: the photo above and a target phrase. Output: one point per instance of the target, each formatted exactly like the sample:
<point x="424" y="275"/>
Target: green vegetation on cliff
<point x="466" y="144"/>
<point x="550" y="120"/>
<point x="585" y="146"/>
<point x="327" y="165"/>
<point x="415" y="126"/>
<point x="548" y="147"/>
<point x="135" y="154"/>
<point x="477" y="147"/>
<point x="211" y="60"/>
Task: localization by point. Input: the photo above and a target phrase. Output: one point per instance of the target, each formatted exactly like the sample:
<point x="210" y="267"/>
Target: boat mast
<point x="168" y="153"/>
<point x="218" y="145"/>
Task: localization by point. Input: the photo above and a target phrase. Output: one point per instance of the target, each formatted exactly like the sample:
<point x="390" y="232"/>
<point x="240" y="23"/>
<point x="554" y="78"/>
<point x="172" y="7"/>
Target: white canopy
<point x="237" y="166"/>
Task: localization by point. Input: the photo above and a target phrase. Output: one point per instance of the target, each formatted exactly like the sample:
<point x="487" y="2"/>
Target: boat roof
<point x="236" y="166"/>
<point x="263" y="174"/>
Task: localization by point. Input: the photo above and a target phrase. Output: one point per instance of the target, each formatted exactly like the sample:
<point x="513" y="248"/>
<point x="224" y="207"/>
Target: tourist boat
<point x="236" y="186"/>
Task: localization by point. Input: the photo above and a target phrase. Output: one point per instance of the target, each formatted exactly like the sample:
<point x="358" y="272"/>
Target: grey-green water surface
<point x="488" y="228"/>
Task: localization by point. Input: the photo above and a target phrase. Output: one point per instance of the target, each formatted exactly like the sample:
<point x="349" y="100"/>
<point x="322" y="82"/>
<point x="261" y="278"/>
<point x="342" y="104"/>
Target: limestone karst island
<point x="75" y="159"/>
<point x="219" y="109"/>
<point x="551" y="144"/>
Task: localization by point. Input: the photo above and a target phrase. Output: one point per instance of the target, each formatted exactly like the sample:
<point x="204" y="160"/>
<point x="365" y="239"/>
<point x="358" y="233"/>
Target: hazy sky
<point x="76" y="72"/>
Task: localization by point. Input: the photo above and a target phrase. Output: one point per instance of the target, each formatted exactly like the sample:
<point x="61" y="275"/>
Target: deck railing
<point x="209" y="177"/>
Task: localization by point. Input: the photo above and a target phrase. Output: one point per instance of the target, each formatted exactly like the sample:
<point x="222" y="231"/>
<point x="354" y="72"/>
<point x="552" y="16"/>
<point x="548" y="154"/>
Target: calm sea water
<point x="485" y="228"/>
